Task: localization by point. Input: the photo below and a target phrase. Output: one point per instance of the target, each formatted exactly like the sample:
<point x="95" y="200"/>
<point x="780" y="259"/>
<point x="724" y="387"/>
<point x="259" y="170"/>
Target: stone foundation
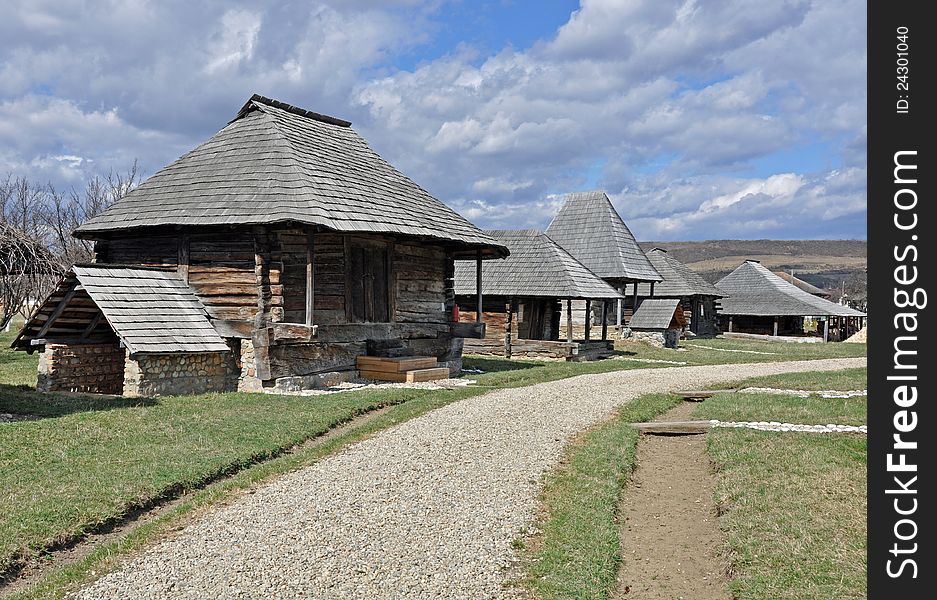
<point x="659" y="339"/>
<point x="177" y="374"/>
<point x="90" y="368"/>
<point x="247" y="378"/>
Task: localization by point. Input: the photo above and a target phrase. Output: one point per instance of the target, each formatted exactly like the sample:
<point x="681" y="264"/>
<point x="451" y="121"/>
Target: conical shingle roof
<point x="590" y="229"/>
<point x="751" y="289"/>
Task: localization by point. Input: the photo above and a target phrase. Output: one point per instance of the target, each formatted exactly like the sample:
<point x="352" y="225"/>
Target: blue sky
<point x="701" y="119"/>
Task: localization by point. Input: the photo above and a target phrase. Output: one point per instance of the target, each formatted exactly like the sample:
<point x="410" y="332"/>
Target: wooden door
<point x="367" y="282"/>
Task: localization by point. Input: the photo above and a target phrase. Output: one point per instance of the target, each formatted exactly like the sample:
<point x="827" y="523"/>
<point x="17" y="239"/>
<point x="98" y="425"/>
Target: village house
<point x="522" y="300"/>
<point x="588" y="227"/>
<point x="759" y="302"/>
<point x="272" y="255"/>
<point x="697" y="297"/>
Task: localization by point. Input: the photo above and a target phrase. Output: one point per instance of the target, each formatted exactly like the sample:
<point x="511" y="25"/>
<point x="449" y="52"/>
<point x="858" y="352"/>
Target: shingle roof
<point x="807" y="287"/>
<point x="679" y="279"/>
<point x="654" y="313"/>
<point x="590" y="229"/>
<point x="277" y="163"/>
<point x="751" y="289"/>
<point x="537" y="266"/>
<point x="150" y="310"/>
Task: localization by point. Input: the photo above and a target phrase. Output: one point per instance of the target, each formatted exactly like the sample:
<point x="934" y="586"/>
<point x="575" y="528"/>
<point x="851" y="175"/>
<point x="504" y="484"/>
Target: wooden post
<point x="508" y="318"/>
<point x="604" y="319"/>
<point x="569" y="320"/>
<point x="182" y="266"/>
<point x="634" y="301"/>
<point x="310" y="274"/>
<point x="621" y="291"/>
<point x="730" y="323"/>
<point x="588" y="319"/>
<point x="261" y="273"/>
<point x="652" y="289"/>
<point x="478" y="286"/>
<point x="776" y="326"/>
<point x="826" y="330"/>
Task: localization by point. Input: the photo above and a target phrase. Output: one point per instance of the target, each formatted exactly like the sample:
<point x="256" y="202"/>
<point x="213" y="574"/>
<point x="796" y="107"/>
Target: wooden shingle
<point x="537" y="267"/>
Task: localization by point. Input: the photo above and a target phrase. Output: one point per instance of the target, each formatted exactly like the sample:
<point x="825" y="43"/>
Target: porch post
<point x="621" y="291"/>
<point x="634" y="302"/>
<point x="652" y="289"/>
<point x="310" y="274"/>
<point x="826" y="330"/>
<point x="730" y="323"/>
<point x="508" y="318"/>
<point x="776" y="326"/>
<point x="478" y="286"/>
<point x="588" y="318"/>
<point x="569" y="320"/>
<point x="604" y="319"/>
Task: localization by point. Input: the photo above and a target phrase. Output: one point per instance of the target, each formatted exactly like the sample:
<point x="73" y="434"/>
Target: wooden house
<point x="273" y="254"/>
<point x="588" y="227"/>
<point x="522" y="302"/>
<point x="759" y="302"/>
<point x="658" y="321"/>
<point x="698" y="298"/>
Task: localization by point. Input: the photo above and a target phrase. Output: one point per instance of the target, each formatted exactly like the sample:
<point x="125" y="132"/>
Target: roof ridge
<point x="302" y="112"/>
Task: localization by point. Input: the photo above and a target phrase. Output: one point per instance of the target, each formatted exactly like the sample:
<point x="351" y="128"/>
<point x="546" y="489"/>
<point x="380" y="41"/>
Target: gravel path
<point x="426" y="509"/>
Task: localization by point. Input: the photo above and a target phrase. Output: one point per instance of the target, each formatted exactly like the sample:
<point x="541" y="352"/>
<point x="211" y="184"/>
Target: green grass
<point x="795" y="504"/>
<point x="791" y="409"/>
<point x="90" y="459"/>
<point x="576" y="555"/>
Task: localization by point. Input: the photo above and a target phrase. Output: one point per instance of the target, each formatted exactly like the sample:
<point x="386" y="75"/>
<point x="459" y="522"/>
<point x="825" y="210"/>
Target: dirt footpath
<point x="670" y="539"/>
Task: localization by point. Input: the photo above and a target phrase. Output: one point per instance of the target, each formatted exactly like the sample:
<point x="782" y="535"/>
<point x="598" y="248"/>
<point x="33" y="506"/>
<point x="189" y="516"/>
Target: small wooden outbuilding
<point x="522" y="302"/>
<point x="659" y="321"/>
<point x="698" y="298"/>
<point x="278" y="251"/>
<point x="588" y="227"/>
<point x="759" y="302"/>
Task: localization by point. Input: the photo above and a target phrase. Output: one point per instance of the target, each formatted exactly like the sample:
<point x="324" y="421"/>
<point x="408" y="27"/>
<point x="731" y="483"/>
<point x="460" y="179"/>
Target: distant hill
<point x="824" y="263"/>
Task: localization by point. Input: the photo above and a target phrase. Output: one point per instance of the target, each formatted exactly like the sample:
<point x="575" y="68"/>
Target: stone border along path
<point x="428" y="508"/>
<point x="806" y="393"/>
<point x="775" y="426"/>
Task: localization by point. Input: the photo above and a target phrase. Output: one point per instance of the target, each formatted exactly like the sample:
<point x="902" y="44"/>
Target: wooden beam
<point x="59" y="309"/>
<point x="826" y="330"/>
<point x="261" y="273"/>
<point x="94" y="323"/>
<point x="620" y="307"/>
<point x="673" y="427"/>
<point x="776" y="325"/>
<point x="478" y="286"/>
<point x="604" y="319"/>
<point x="588" y="319"/>
<point x="310" y="274"/>
<point x="652" y="289"/>
<point x="730" y="323"/>
<point x="634" y="302"/>
<point x="569" y="320"/>
<point x="182" y="266"/>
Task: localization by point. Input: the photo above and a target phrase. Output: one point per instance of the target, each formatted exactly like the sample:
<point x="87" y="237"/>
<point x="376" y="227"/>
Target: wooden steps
<point x="673" y="427"/>
<point x="700" y="395"/>
<point x="405" y="369"/>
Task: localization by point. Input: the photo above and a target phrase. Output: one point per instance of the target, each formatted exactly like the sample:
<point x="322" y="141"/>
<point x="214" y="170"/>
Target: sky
<point x="701" y="119"/>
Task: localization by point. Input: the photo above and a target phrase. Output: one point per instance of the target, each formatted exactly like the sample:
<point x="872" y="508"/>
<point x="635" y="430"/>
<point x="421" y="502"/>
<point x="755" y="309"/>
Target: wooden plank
<point x="381" y="376"/>
<point x="395" y="364"/>
<point x="427" y="374"/>
<point x="702" y="394"/>
<point x="467" y="330"/>
<point x="673" y="427"/>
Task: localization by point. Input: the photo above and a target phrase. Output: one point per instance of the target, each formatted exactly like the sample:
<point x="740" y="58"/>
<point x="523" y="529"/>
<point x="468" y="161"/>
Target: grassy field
<point x="576" y="554"/>
<point x="89" y="460"/>
<point x="795" y="504"/>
